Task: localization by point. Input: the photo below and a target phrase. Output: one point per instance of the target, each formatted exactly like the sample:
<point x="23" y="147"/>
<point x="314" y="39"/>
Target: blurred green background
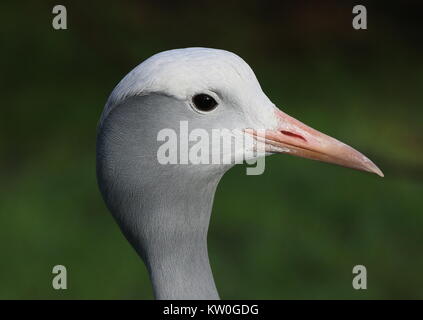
<point x="294" y="232"/>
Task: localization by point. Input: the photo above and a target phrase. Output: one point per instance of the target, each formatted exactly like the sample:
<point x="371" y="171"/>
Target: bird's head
<point x="172" y="107"/>
<point x="210" y="89"/>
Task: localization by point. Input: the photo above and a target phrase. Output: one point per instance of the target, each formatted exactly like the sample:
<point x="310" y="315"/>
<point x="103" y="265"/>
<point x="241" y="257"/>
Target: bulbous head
<point x="212" y="90"/>
<point x="162" y="146"/>
<point x="184" y="73"/>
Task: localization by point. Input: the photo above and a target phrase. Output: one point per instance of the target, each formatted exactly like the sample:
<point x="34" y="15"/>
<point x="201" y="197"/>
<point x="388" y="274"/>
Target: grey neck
<point x="168" y="228"/>
<point x="176" y="255"/>
<point x="163" y="210"/>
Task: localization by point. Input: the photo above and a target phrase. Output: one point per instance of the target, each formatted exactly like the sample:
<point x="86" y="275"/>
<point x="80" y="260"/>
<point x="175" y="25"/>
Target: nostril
<point x="294" y="135"/>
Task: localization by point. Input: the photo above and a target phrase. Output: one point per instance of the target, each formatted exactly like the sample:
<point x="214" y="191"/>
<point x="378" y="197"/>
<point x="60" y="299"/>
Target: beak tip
<point x="374" y="169"/>
<point x="380" y="173"/>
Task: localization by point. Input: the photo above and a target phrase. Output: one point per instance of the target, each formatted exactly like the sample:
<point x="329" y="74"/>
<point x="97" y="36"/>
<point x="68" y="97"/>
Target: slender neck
<point x="163" y="210"/>
<point x="183" y="271"/>
<point x="175" y="249"/>
<point x="167" y="225"/>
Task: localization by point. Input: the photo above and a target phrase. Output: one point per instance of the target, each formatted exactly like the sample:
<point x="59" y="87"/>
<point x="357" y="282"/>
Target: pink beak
<point x="296" y="138"/>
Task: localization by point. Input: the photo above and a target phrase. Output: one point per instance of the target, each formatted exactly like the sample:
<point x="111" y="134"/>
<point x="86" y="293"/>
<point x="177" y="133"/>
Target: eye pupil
<point x="204" y="102"/>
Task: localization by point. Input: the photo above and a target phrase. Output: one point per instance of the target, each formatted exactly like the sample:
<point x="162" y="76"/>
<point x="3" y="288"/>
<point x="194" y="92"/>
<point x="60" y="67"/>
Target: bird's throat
<point x="175" y="248"/>
<point x="168" y="228"/>
<point x="163" y="210"/>
<point x="183" y="272"/>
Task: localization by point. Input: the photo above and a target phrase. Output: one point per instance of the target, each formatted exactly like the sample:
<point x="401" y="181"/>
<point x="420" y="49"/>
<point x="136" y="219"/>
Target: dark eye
<point x="203" y="102"/>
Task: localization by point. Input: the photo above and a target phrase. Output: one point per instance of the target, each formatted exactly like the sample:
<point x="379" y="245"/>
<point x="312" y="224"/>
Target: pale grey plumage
<point x="163" y="210"/>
